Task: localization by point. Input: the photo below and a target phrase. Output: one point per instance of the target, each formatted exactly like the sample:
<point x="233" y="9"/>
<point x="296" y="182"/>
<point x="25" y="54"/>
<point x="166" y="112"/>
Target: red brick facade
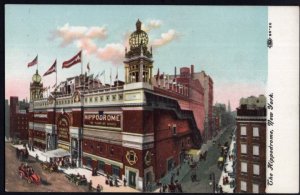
<point x="247" y="122"/>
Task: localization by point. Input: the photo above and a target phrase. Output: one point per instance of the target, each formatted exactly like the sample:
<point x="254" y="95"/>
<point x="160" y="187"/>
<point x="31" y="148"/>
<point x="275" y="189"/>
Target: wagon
<point x="221" y="161"/>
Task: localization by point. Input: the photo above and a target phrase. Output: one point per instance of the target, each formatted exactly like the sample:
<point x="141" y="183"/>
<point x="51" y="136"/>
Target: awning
<point x="56" y="153"/>
<point x="193" y="152"/>
<point x="20" y="147"/>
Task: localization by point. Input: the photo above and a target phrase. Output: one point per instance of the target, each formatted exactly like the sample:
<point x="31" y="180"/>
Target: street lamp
<point x="212" y="181"/>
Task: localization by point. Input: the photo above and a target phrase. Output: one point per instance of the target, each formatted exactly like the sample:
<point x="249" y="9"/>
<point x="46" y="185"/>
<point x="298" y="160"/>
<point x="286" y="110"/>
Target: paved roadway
<point x="205" y="168"/>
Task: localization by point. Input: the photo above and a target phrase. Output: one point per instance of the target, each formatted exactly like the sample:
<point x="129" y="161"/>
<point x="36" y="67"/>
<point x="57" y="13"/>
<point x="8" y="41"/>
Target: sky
<point x="228" y="43"/>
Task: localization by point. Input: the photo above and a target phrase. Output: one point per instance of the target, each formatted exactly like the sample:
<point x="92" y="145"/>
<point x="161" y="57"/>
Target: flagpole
<point x="37" y="67"/>
<point x="117" y="78"/>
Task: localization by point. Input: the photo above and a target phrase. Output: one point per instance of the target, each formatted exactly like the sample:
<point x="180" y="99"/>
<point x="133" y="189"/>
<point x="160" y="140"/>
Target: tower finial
<point x="138" y="25"/>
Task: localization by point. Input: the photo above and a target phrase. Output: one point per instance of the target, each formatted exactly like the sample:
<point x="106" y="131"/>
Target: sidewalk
<point x="100" y="179"/>
<point x="229" y="169"/>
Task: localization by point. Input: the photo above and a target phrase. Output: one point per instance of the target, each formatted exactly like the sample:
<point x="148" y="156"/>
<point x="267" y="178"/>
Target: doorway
<point x="132" y="176"/>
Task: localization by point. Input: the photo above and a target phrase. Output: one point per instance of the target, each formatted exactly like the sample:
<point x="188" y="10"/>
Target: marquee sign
<point x="101" y="119"/>
<point x="63" y="129"/>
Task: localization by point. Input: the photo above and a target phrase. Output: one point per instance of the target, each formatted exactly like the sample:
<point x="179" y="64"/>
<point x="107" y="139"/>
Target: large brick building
<point x="18" y="119"/>
<point x="138" y="129"/>
<point x="251" y="145"/>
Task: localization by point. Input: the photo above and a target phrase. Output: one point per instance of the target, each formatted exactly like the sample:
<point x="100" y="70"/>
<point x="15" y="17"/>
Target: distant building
<point x="208" y="85"/>
<point x="218" y="114"/>
<point x="7" y="134"/>
<point x="251" y="145"/>
<point x="18" y="119"/>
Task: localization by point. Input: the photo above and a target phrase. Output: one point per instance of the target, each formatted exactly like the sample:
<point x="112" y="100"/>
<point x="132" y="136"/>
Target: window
<point x="120" y="96"/>
<point x="101" y="98"/>
<point x="174" y="129"/>
<point x="255" y="169"/>
<point x="243" y="186"/>
<point x="91" y="99"/>
<point x="243" y="130"/>
<point x="107" y="98"/>
<point x="85" y="100"/>
<point x="111" y="151"/>
<point x="101" y="166"/>
<point x="113" y="97"/>
<point x="89" y="162"/>
<point x="255" y="150"/>
<point x="96" y="99"/>
<point x="131" y="156"/>
<point x="115" y="170"/>
<point x="243" y="148"/>
<point x="255" y="132"/>
<point x="244" y="167"/>
<point x="255" y="188"/>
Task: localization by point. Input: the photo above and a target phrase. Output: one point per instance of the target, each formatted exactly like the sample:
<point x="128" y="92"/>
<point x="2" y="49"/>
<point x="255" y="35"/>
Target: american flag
<point x="33" y="62"/>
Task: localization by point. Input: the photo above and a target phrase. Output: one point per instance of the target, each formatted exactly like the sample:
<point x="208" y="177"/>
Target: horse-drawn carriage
<point x="77" y="179"/>
<point x="50" y="167"/>
<point x="27" y="173"/>
<point x="22" y="154"/>
<point x="203" y="156"/>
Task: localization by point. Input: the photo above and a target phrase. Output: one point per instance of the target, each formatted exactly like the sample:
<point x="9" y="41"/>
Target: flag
<point x="88" y="67"/>
<point x="162" y="76"/>
<point x="97" y="76"/>
<point x="157" y="74"/>
<point x="51" y="69"/>
<point x="74" y="60"/>
<point x="117" y="74"/>
<point x="33" y="62"/>
<point x="103" y="72"/>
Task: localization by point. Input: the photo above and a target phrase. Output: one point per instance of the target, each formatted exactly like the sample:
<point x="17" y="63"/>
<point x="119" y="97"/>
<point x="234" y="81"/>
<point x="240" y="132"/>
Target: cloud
<point x="85" y="38"/>
<point x="152" y="24"/>
<point x="87" y="44"/>
<point x="69" y="34"/>
<point x="165" y="38"/>
<point x="113" y="52"/>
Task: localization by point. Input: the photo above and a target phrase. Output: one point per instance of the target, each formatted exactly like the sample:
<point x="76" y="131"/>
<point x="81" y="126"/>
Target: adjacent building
<point x="7" y="114"/>
<point x="251" y="145"/>
<point x="139" y="129"/>
<point x="18" y="122"/>
<point x="207" y="84"/>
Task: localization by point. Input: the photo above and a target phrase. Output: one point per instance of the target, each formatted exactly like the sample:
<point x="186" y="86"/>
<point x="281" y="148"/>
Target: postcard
<point x="115" y="98"/>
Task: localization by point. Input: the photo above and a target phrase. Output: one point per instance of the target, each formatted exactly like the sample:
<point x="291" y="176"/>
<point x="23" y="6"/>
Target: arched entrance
<point x="63" y="132"/>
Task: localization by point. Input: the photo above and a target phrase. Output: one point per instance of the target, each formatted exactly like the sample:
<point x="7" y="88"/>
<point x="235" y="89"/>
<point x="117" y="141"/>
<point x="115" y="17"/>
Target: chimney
<point x="192" y="71"/>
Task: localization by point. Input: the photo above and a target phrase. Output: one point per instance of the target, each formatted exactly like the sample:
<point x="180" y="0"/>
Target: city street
<point x="50" y="182"/>
<point x="205" y="168"/>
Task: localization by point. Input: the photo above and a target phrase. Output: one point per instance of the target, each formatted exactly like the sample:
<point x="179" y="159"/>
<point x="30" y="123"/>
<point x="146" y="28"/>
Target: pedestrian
<point x="116" y="182"/>
<point x="98" y="189"/>
<point x="124" y="181"/>
<point x="164" y="187"/>
<point x="179" y="187"/>
<point x="90" y="186"/>
<point x="36" y="157"/>
<point x="221" y="189"/>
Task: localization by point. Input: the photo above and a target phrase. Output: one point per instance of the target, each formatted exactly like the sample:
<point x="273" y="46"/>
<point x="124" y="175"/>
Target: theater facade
<point x="139" y="129"/>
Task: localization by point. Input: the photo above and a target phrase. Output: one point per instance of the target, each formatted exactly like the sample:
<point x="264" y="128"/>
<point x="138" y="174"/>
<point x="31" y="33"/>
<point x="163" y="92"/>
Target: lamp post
<point x="212" y="181"/>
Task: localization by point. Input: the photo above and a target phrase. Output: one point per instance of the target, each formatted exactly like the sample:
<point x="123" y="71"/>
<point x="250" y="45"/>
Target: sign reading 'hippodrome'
<point x="107" y="120"/>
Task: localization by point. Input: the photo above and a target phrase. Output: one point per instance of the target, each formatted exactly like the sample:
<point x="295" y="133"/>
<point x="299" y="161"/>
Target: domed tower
<point x="36" y="87"/>
<point x="138" y="62"/>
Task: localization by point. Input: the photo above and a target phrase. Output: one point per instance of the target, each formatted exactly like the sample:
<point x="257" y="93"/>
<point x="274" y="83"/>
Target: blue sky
<point x="228" y="43"/>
